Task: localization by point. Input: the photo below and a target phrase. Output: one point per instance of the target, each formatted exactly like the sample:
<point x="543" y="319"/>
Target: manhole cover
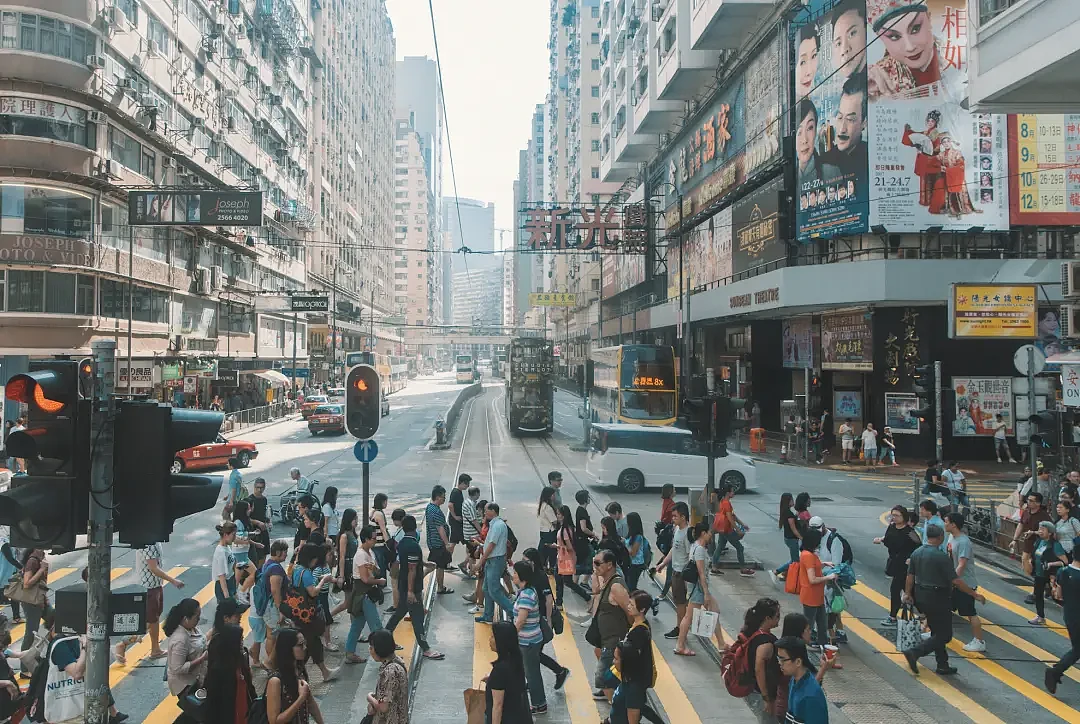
<point x="866" y="500"/>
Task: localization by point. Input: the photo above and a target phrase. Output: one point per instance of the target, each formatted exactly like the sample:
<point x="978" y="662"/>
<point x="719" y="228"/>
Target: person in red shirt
<point x="729" y="529"/>
<point x="812" y="585"/>
<point x="667" y="504"/>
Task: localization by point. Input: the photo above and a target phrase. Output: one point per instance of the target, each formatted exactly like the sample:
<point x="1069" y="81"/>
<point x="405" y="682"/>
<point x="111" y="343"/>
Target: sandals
<point x="445" y="591"/>
<point x="685" y="652"/>
<point x="434" y="655"/>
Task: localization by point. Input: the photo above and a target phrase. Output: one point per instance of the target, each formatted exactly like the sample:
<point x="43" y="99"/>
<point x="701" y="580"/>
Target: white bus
<point x="466" y="371"/>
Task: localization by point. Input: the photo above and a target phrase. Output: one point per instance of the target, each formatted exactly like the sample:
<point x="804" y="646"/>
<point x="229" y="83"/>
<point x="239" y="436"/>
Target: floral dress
<point x="393" y="685"/>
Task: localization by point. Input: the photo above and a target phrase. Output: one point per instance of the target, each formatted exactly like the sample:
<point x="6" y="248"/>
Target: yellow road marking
<point x="1023" y="612"/>
<point x="117" y="572"/>
<point x="18" y="632"/>
<point x="677" y="705"/>
<point x="1022" y="687"/>
<point x="578" y="688"/>
<point x="482" y="653"/>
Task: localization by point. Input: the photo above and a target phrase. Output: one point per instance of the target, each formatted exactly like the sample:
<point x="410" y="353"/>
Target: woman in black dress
<point x="901" y="540"/>
<point x="506" y="693"/>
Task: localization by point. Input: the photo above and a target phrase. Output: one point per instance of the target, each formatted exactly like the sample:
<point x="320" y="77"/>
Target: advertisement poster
<point x="1044" y="154"/>
<point x="762" y="112"/>
<point x="847" y="403"/>
<point x="978" y="400"/>
<point x="798" y="343"/>
<point x="831" y="120"/>
<point x="932" y="163"/>
<point x="897" y="407"/>
<point x="222" y="208"/>
<point x="847" y="342"/>
<point x="1049" y="339"/>
<point x="756" y="238"/>
<point x="707" y="254"/>
<point x="994" y="311"/>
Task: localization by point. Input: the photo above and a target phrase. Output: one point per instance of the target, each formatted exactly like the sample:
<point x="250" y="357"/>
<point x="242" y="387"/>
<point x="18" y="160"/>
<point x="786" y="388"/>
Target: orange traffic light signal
<point x="363" y="405"/>
<point x="361" y="385"/>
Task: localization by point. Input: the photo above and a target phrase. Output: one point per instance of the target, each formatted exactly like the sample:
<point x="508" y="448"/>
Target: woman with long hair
<point x="378" y="520"/>
<point x="346" y="545"/>
<point x="303" y="578"/>
<point x="34" y="574"/>
<point x="789" y="524"/>
<point x="758" y="623"/>
<point x="507" y="702"/>
<point x="288" y="697"/>
<point x="900" y="541"/>
<point x="186" y="646"/>
<point x="540" y="584"/>
<point x="612" y="541"/>
<point x="530" y="634"/>
<point x="230" y="690"/>
<point x="243" y="545"/>
<point x="636" y="545"/>
<point x="362" y="608"/>
<point x="567" y="558"/>
<point x="223" y="564"/>
<point x="549" y="526"/>
<point x="812" y="582"/>
<point x="698" y="595"/>
<point x="331" y="517"/>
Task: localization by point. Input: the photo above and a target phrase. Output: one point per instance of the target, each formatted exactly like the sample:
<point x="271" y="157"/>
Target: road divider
<point x="452" y="414"/>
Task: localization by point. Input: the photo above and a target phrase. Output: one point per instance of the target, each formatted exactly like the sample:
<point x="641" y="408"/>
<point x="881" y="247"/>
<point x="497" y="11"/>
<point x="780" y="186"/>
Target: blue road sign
<point x="365" y="450"/>
<point x="300" y="371"/>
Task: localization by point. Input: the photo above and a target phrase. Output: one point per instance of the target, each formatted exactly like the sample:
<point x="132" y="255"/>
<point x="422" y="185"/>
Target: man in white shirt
<point x="956" y="481"/>
<point x="847" y="440"/>
<point x="1001" y="444"/>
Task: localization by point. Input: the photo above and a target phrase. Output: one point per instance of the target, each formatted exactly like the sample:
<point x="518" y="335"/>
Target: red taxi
<point x="310" y="403"/>
<point x="214" y="455"/>
<point x="327" y="418"/>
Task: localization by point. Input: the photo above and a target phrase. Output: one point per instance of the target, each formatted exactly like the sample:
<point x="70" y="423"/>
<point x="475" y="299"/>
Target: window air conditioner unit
<point x="197" y="122"/>
<point x="152" y="47"/>
<point x="127" y="84"/>
<point x="1070" y="321"/>
<point x="1070" y="279"/>
<point x="96" y="61"/>
<point x="166" y="162"/>
<point x="216" y="277"/>
<point x="202" y="281"/>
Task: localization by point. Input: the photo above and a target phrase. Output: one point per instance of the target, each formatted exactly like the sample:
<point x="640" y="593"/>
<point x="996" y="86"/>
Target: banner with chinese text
<point x="1044" y="151"/>
<point x="847" y="341"/>
<point x="552" y="299"/>
<point x="756" y="237"/>
<point x="978" y="400"/>
<point x="989" y="311"/>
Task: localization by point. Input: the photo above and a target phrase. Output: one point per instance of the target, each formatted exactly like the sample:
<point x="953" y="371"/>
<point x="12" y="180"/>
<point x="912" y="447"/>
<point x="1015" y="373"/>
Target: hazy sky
<point x="495" y="70"/>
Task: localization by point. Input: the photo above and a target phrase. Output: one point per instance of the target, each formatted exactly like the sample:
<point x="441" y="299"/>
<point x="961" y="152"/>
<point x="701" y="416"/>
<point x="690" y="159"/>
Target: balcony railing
<point x="990" y="9"/>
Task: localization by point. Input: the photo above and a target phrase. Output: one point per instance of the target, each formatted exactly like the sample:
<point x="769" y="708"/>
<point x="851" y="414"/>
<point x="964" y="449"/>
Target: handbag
<point x="546" y="631"/>
<point x="257" y="711"/>
<point x="791" y="579"/>
<point x="192" y="705"/>
<point x="16" y="591"/>
<point x="557" y="621"/>
<point x="907" y="629"/>
<point x="475" y="706"/>
<point x="300" y="608"/>
<point x="704" y="623"/>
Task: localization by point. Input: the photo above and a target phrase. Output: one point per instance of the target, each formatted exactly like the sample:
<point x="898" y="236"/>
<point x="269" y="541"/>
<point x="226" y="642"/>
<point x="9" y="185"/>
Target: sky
<point x="495" y="70"/>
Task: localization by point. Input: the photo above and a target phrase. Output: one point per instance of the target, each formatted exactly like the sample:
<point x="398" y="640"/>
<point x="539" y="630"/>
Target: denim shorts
<point x="258" y="627"/>
<point x="603" y="678"/>
<point x="697" y="594"/>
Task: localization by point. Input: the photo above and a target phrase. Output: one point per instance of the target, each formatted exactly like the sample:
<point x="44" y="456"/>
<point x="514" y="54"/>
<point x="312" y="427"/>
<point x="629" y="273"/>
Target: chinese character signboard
<point x="552" y="299"/>
<point x="1070" y="385"/>
<point x="585" y="227"/>
<point x="978" y="401"/>
<point x="994" y="311"/>
<point x="44" y="109"/>
<point x="142" y="377"/>
<point x="831" y="128"/>
<point x="1044" y="186"/>
<point x="798" y="343"/>
<point x="211" y="208"/>
<point x="646" y="382"/>
<point x="897" y="407"/>
<point x="847" y="341"/>
<point x="932" y="163"/>
<point x="756" y="235"/>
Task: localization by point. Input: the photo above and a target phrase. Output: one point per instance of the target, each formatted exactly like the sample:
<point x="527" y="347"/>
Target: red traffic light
<point x="30" y="389"/>
<point x="361" y="385"/>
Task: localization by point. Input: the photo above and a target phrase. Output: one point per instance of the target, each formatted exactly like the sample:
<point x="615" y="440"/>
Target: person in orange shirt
<point x="812" y="585"/>
<point x="729" y="529"/>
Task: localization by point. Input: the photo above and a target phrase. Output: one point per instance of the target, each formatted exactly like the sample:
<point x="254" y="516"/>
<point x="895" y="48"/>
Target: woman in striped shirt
<point x="530" y="636"/>
<point x="378" y="522"/>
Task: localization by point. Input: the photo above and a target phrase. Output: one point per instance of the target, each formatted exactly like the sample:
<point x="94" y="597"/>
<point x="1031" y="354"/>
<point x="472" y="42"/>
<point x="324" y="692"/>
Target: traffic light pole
<point x="366" y="489"/>
<point x="938" y="434"/>
<point x="99" y="563"/>
<point x="1033" y="448"/>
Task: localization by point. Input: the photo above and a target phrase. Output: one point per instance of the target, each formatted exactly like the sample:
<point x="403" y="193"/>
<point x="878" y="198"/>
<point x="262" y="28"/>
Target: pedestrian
<point x="826" y="430"/>
<point x="1001" y="443"/>
<point x="65" y="697"/>
<point x="186" y="647"/>
<point x="802" y="520"/>
<point x="12" y="704"/>
<point x="676" y="561"/>
<point x="20" y="463"/>
<point x="665" y="528"/>
<point x="241" y="549"/>
<point x="806" y="701"/>
<point x="696" y="577"/>
<point x="235" y="490"/>
<point x="1048" y="558"/>
<point x="223" y="564"/>
<point x="831" y="553"/>
<point x="230" y="689"/>
<point x="799" y="626"/>
<point x="789" y="524"/>
<point x="869" y="445"/>
<point x="456" y="510"/>
<point x="362" y="607"/>
<point x="1068" y="586"/>
<point x="956" y="482"/>
<point x="530" y="636"/>
<point x="900" y="540"/>
<point x="228" y="611"/>
<point x="411" y="586"/>
<point x="345" y="545"/>
<point x="331" y="517"/>
<point x="151" y="577"/>
<point x="615" y="512"/>
<point x="472" y="521"/>
<point x="637" y="546"/>
<point x="585" y="536"/>
<point x="758" y="623"/>
<point x="506" y="700"/>
<point x="612" y="613"/>
<point x="493" y="562"/>
<point x="309" y="524"/>
<point x="962" y="553"/>
<point x="813" y="442"/>
<point x="888" y="447"/>
<point x="259" y="515"/>
<point x="930" y="582"/>
<point x="729" y="529"/>
<point x="1067" y="526"/>
<point x="389" y="703"/>
<point x="847" y="440"/>
<point x="566" y="559"/>
<point x="288" y="696"/>
<point x="265" y="613"/>
<point x="440" y="549"/>
<point x="475" y="600"/>
<point x="928" y="511"/>
<point x="548" y="518"/>
<point x="9" y="565"/>
<point x="1032" y="514"/>
<point x="34" y="570"/>
<point x="629" y="698"/>
<point x="812" y="582"/>
<point x="398" y="518"/>
<point x="555" y="481"/>
<point x="539" y="583"/>
<point x="612" y="541"/>
<point x="640" y="638"/>
<point x="303" y="579"/>
<point x="377" y="519"/>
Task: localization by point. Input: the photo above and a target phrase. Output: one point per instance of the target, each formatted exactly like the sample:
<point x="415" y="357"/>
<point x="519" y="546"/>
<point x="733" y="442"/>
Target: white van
<point x="633" y="456"/>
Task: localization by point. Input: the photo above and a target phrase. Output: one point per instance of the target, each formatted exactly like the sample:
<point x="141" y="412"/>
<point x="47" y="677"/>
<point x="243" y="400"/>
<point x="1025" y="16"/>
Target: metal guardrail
<point x="257" y="415"/>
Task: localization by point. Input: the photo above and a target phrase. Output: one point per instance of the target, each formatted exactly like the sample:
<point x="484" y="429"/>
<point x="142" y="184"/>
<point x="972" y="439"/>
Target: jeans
<point x="416" y="612"/>
<point x="736" y="543"/>
<point x="494" y="569"/>
<point x="887" y="452"/>
<point x="936" y="604"/>
<point x="369" y="615"/>
<point x="820" y="622"/>
<point x="531" y="656"/>
<point x="33" y="621"/>
<point x="869" y="454"/>
<point x="793" y="545"/>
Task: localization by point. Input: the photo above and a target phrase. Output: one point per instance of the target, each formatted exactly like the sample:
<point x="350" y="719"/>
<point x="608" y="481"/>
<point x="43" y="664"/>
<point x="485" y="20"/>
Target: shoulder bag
<point x="33" y="596"/>
<point x="301" y="608"/>
<point x="592" y="634"/>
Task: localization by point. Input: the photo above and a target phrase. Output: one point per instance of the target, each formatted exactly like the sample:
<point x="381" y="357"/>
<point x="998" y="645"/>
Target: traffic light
<point x="148" y="497"/>
<point x="363" y="402"/>
<point x="49" y="505"/>
<point x="923" y="381"/>
<point x="696" y="412"/>
<point x="1046" y="429"/>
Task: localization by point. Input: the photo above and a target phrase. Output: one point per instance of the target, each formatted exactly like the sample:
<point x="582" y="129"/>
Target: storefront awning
<point x="274" y="377"/>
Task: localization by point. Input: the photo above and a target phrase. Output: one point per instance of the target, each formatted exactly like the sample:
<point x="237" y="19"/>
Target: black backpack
<point x="35" y="693"/>
<point x="511" y="539"/>
<point x="847" y="556"/>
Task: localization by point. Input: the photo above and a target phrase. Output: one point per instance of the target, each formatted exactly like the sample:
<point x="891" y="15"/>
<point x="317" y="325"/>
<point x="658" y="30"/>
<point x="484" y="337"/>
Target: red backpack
<point x="736" y="667"/>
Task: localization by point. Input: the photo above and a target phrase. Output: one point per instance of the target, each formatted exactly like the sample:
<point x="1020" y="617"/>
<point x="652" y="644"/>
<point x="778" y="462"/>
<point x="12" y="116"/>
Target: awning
<point x="1065" y="358"/>
<point x="274" y="377"/>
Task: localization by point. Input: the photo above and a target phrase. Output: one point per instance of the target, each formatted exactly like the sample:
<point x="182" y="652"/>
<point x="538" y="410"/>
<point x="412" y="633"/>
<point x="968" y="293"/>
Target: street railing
<point x="256" y="415"/>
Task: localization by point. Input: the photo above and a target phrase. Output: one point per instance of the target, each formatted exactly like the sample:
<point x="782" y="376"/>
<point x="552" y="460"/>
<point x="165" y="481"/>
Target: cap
<point x="816" y="522"/>
<point x="232" y="607"/>
<point x="880" y="12"/>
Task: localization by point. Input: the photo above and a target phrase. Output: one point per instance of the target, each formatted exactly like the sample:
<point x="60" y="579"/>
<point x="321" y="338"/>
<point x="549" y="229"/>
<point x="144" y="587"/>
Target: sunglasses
<point x="598" y="563"/>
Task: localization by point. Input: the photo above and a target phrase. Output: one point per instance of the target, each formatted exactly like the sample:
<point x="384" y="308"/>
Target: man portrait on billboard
<point x="913" y="60"/>
<point x="849" y="37"/>
<point x="811" y="167"/>
<point x="850" y="153"/>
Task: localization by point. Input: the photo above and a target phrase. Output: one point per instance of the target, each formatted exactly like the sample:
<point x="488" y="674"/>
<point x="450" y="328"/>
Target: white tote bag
<point x="704" y="623"/>
<point x="908" y="629"/>
<point x="64" y="694"/>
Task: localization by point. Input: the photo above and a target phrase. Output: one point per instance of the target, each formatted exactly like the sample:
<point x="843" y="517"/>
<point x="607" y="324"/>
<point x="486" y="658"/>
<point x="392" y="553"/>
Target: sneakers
<point x="598" y="695"/>
<point x="773" y="578"/>
<point x="1038" y="621"/>
<point x="945" y="670"/>
<point x="542" y="709"/>
<point x="975" y="646"/>
<point x="560" y="678"/>
<point x="476" y="609"/>
<point x="912" y="661"/>
<point x="888" y="621"/>
<point x="747" y="572"/>
<point x="672" y="634"/>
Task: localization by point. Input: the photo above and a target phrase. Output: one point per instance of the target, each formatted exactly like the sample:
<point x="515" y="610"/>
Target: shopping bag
<point x="908" y="629"/>
<point x="475" y="706"/>
<point x="704" y="623"/>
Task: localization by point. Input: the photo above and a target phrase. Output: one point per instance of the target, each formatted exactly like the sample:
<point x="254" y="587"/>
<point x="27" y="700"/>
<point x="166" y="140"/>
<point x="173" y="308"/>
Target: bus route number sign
<point x="649" y="382"/>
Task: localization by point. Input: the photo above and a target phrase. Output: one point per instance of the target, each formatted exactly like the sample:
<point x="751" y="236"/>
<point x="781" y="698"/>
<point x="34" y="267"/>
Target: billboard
<point x="994" y="311"/>
<point x="558" y="299"/>
<point x="1044" y="153"/>
<point x="756" y="236"/>
<point x="978" y="400"/>
<point x="897" y="407"/>
<point x="798" y="342"/>
<point x="210" y="208"/>
<point x="707" y="254"/>
<point x="847" y="341"/>
<point x="831" y="120"/>
<point x="932" y="163"/>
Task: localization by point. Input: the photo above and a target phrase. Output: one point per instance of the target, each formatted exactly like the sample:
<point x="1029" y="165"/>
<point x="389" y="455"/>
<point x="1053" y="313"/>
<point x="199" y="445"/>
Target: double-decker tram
<point x="465" y="369"/>
<point x="530" y="385"/>
<point x="634" y="383"/>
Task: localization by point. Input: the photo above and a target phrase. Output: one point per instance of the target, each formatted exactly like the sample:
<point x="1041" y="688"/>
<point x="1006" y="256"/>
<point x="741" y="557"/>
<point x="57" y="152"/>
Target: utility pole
<point x="938" y="433"/>
<point x="333" y="326"/>
<point x="295" y="332"/>
<point x="130" y="300"/>
<point x="684" y="304"/>
<point x="100" y="529"/>
<point x="371" y="323"/>
<point x="1033" y="448"/>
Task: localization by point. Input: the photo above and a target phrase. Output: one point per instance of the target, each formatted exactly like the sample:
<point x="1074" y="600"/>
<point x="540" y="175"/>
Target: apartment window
<point x="26" y="291"/>
<point x="148" y="164"/>
<point x="124" y="149"/>
<point x="84" y="295"/>
<point x="595" y="11"/>
<point x="595" y="119"/>
<point x="159" y="34"/>
<point x="595" y="145"/>
<point x="130" y="8"/>
<point x="596" y="202"/>
<point x="46" y="35"/>
<point x="595" y="284"/>
<point x="595" y="91"/>
<point x="596" y="64"/>
<point x="595" y="172"/>
<point x="594" y="38"/>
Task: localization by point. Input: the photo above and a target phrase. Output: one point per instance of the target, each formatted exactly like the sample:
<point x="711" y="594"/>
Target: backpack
<point x="791" y="580"/>
<point x="511" y="539"/>
<point x="846" y="556"/>
<point x="261" y="594"/>
<point x="648" y="552"/>
<point x="664" y="534"/>
<point x="35" y="693"/>
<point x="736" y="667"/>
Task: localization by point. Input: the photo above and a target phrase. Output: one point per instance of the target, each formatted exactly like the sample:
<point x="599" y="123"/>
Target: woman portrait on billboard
<point x="928" y="162"/>
<point x="913" y="59"/>
<point x="957" y="199"/>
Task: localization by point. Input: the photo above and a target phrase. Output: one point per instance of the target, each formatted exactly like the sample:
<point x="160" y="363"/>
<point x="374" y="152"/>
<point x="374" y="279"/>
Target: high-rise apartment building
<point x="529" y="189"/>
<point x="467" y="223"/>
